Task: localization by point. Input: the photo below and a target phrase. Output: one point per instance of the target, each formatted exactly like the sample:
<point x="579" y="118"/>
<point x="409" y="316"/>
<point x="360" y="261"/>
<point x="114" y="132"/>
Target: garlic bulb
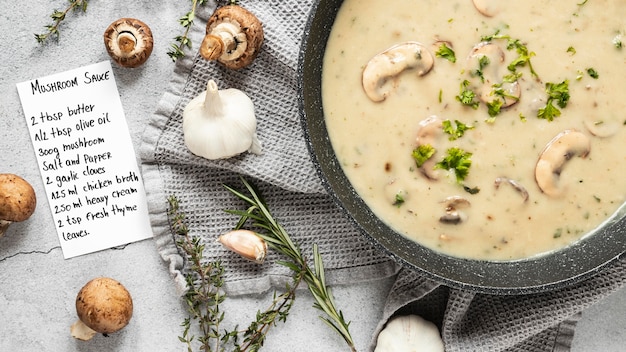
<point x="409" y="333"/>
<point x="219" y="124"/>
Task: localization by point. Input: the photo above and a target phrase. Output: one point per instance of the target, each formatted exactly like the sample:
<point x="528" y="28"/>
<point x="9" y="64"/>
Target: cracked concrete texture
<point x="38" y="287"/>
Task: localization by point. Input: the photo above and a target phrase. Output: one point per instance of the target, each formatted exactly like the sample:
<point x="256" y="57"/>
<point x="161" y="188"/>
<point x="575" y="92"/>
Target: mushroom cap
<point x="250" y="25"/>
<point x="129" y="42"/>
<point x="104" y="305"/>
<point x="17" y="198"/>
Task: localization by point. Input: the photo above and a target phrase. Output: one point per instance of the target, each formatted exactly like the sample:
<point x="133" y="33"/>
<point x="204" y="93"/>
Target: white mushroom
<point x="389" y="64"/>
<point x="509" y="93"/>
<point x="234" y="37"/>
<point x="488" y="59"/>
<point x="128" y="41"/>
<point x="552" y="159"/>
<point x="602" y="128"/>
<point x="430" y="131"/>
<point x="103" y="305"/>
<point x="17" y="200"/>
<point x="488" y="8"/>
<point x="513" y="183"/>
<point x="490" y="50"/>
<point x="452" y="214"/>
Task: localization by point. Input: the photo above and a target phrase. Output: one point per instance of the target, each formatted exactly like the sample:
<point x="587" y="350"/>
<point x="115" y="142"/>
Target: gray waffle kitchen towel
<point x="287" y="179"/>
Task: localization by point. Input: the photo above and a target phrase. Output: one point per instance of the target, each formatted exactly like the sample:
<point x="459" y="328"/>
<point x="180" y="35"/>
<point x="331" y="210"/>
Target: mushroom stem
<point x="127" y="42"/>
<point x="225" y="41"/>
<point x="212" y="47"/>
<point x="81" y="331"/>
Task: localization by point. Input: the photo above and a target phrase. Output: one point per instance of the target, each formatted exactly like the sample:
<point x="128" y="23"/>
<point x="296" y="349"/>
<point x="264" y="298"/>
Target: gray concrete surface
<point x="38" y="287"/>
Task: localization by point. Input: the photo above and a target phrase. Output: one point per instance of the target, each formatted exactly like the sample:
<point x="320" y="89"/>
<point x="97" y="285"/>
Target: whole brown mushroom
<point x="17" y="200"/>
<point x="103" y="305"/>
<point x="234" y="37"/>
<point x="129" y="42"/>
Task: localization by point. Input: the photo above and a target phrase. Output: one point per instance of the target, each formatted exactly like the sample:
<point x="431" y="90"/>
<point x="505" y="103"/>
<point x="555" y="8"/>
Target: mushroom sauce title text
<point x="55" y="86"/>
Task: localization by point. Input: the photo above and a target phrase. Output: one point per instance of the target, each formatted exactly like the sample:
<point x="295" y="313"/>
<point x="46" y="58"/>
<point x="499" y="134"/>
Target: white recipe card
<point x="86" y="158"/>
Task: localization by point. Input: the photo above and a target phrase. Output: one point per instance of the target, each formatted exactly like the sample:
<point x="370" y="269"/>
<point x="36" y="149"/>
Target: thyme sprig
<point x="278" y="239"/>
<point x="58" y="17"/>
<point x="205" y="294"/>
<point x="182" y="41"/>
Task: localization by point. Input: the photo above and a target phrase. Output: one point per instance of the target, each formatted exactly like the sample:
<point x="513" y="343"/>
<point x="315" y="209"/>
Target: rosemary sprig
<point x="58" y="17"/>
<point x="204" y="296"/>
<point x="279" y="239"/>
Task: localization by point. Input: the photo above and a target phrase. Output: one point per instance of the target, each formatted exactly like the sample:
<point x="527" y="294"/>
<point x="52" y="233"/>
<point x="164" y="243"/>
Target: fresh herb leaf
<point x="493" y="108"/>
<point x="422" y="153"/>
<point x="456" y="130"/>
<point x="593" y="73"/>
<point x="467" y="96"/>
<point x="182" y="41"/>
<point x="511" y="77"/>
<point x="524" y="55"/>
<point x="399" y="200"/>
<point x="483" y="62"/>
<point x="549" y="112"/>
<point x="457" y="160"/>
<point x="58" y="17"/>
<point x="571" y="50"/>
<point x="471" y="190"/>
<point x="558" y="92"/>
<point x="277" y="238"/>
<point x="446" y="52"/>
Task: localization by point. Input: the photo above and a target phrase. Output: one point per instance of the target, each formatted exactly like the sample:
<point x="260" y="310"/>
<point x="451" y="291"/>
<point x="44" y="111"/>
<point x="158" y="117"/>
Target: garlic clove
<point x="81" y="331"/>
<point x="245" y="243"/>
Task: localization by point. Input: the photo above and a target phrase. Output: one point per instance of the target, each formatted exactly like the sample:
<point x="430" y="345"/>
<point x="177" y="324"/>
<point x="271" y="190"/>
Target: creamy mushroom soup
<point x="481" y="129"/>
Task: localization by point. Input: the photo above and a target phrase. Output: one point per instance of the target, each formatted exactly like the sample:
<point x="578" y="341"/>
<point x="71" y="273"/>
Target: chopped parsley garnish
<point x="422" y="153"/>
<point x="457" y="160"/>
<point x="593" y="73"/>
<point x="446" y="52"/>
<point x="512" y="77"/>
<point x="493" y="108"/>
<point x="524" y="55"/>
<point x="456" y="130"/>
<point x="571" y="50"/>
<point x="557" y="93"/>
<point x="482" y="63"/>
<point x="467" y="96"/>
<point x="399" y="200"/>
<point x="471" y="190"/>
<point x="549" y="112"/>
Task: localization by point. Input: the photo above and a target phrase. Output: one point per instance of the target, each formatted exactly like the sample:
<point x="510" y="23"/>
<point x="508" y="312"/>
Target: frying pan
<point x="547" y="272"/>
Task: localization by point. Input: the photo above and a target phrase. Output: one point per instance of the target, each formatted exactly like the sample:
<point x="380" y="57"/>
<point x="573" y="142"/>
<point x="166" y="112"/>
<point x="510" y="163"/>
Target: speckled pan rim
<point x="548" y="272"/>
